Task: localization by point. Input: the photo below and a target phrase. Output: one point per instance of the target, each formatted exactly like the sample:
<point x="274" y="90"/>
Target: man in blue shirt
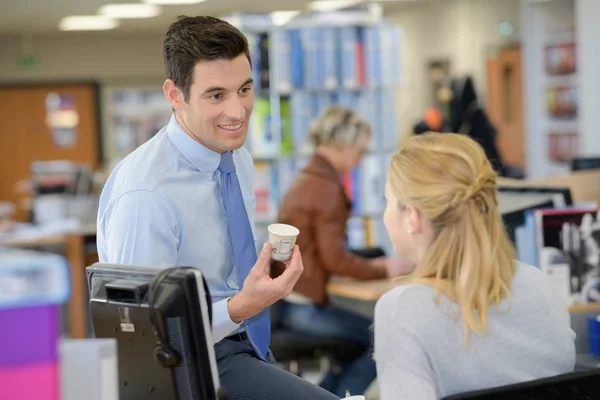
<point x="186" y="198"/>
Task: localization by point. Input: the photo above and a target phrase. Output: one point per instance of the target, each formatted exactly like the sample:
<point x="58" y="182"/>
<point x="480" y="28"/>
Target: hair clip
<point x="483" y="207"/>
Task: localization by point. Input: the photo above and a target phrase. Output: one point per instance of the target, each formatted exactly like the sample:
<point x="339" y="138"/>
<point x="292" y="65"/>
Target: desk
<point x="371" y="291"/>
<point x="73" y="244"/>
<point x="357" y="296"/>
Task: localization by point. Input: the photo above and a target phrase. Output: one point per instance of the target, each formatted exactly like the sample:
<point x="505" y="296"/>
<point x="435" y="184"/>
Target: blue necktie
<point x="258" y="328"/>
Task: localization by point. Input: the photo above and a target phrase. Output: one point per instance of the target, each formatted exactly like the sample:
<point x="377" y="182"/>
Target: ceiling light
<point x="282" y="17"/>
<point x="87" y="23"/>
<point x="129" y="10"/>
<point x="330" y="5"/>
<point x="173" y="2"/>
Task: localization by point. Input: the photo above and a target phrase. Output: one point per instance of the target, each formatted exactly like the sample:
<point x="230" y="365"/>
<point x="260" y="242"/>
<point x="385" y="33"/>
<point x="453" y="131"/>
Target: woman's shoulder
<point x="407" y="290"/>
<point x="310" y="194"/>
<point x="530" y="281"/>
<point x="311" y="189"/>
<point x="406" y="301"/>
<point x="528" y="275"/>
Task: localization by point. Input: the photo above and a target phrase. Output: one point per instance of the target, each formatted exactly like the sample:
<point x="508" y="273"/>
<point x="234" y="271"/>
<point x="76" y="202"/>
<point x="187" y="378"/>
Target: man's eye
<point x="247" y="89"/>
<point x="217" y="96"/>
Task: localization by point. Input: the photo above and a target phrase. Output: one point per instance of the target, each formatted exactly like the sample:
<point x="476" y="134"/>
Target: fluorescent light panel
<point x="173" y="2"/>
<point x="283" y="17"/>
<point x="330" y="5"/>
<point x="87" y="23"/>
<point x="123" y="11"/>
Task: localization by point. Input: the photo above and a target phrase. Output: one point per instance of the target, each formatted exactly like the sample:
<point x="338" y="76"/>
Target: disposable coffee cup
<point x="283" y="239"/>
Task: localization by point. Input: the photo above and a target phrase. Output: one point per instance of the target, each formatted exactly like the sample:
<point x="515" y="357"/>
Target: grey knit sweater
<point x="419" y="347"/>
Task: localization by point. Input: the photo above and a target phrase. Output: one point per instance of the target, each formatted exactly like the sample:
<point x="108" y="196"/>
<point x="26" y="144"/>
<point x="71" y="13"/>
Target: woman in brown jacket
<point x="317" y="205"/>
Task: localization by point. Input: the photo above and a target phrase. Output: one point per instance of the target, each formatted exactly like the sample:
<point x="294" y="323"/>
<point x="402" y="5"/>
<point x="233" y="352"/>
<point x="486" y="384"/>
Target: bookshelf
<point x="350" y="57"/>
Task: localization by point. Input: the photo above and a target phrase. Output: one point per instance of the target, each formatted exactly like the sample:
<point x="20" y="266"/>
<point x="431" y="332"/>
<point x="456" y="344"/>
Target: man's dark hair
<point x="190" y="40"/>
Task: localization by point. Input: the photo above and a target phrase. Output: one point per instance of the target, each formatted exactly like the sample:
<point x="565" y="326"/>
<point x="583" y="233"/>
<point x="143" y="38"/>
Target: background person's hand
<point x="260" y="290"/>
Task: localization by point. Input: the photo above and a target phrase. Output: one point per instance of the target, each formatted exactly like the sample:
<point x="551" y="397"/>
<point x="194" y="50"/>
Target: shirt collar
<point x="201" y="157"/>
<point x="319" y="165"/>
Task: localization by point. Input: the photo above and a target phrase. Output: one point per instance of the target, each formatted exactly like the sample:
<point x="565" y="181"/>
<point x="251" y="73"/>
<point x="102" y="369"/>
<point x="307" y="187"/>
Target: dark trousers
<point x="247" y="377"/>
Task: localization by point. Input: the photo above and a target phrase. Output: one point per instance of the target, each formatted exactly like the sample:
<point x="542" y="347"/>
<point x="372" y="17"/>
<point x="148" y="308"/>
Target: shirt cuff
<point x="222" y="325"/>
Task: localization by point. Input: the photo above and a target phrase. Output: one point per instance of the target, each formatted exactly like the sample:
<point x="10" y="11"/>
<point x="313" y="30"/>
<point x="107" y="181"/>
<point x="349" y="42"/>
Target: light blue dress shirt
<point x="162" y="206"/>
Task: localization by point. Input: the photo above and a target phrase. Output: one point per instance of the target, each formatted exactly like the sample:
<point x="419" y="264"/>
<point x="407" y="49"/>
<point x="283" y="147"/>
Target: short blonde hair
<point x="449" y="180"/>
<point x="339" y="127"/>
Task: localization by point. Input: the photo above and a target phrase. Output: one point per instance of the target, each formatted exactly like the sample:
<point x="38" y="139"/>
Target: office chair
<point x="295" y="349"/>
<point x="583" y="385"/>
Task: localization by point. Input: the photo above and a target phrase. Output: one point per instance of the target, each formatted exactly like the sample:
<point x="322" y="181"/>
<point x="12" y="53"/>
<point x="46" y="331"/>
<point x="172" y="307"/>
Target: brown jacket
<point x="317" y="205"/>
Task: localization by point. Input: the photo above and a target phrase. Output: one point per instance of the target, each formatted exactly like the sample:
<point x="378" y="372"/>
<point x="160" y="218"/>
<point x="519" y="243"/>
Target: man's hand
<point x="260" y="290"/>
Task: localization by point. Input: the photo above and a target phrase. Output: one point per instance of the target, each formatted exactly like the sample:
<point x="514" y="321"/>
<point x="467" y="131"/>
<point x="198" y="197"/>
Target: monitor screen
<point x="561" y="196"/>
<point x="162" y="328"/>
<point x="514" y="205"/>
<point x="516" y="201"/>
<point x="583" y="163"/>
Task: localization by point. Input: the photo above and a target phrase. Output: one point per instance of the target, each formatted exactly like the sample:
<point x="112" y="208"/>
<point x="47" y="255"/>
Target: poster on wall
<point x="135" y="116"/>
<point x="62" y="119"/>
<point x="561" y="59"/>
<point x="563" y="146"/>
<point x="562" y="102"/>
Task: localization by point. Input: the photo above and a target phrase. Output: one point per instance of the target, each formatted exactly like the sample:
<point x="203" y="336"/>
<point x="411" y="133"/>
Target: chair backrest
<point x="575" y="385"/>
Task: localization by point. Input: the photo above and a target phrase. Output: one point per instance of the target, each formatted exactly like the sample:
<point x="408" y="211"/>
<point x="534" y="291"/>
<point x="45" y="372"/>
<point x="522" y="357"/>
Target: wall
<point x="110" y="59"/>
<point x="588" y="60"/>
<point x="544" y="24"/>
<point x="82" y="56"/>
<point x="463" y="31"/>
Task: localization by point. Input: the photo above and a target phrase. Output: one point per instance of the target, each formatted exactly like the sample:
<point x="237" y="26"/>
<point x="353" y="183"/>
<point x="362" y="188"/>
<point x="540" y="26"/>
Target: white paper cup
<point x="283" y="239"/>
<point x="355" y="398"/>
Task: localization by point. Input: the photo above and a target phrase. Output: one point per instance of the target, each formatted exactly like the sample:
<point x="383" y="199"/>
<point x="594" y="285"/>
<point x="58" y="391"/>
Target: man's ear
<point x="173" y="94"/>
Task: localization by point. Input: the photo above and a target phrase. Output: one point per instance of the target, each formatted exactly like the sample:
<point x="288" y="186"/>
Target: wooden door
<point x="25" y="134"/>
<point x="505" y="104"/>
<point x="13" y="150"/>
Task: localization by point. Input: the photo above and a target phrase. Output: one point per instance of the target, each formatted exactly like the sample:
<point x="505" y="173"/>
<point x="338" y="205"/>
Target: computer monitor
<point x="561" y="196"/>
<point x="161" y="320"/>
<point x="513" y="207"/>
<point x="516" y="201"/>
<point x="583" y="163"/>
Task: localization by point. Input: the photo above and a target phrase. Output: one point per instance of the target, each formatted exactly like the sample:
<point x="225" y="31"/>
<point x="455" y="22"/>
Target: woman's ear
<point x="414" y="219"/>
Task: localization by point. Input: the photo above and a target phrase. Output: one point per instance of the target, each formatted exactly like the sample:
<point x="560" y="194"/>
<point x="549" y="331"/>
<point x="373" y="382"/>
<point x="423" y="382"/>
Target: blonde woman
<point x="318" y="206"/>
<point x="469" y="316"/>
